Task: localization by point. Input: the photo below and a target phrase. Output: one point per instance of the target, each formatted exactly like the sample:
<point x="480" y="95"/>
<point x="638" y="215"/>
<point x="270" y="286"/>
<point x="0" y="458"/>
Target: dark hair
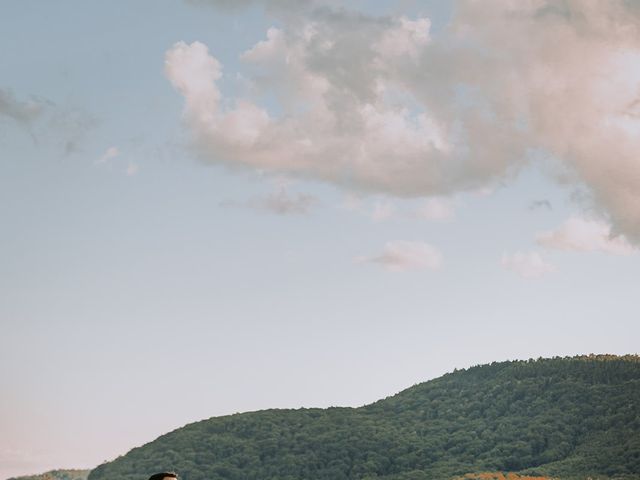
<point x="163" y="475"/>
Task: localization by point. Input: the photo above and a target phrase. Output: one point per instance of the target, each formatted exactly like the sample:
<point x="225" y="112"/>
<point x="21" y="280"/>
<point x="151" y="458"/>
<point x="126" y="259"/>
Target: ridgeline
<point x="57" y="475"/>
<point x="567" y="418"/>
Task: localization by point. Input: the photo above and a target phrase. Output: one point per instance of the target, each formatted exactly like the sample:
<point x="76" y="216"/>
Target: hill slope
<point x="57" y="475"/>
<point x="562" y="417"/>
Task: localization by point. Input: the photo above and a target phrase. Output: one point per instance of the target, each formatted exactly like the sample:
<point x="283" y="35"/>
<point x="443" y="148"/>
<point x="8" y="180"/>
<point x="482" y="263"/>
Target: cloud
<point x="108" y="159"/>
<point x="382" y="210"/>
<point x="69" y="127"/>
<point x="438" y="209"/>
<point x="349" y="131"/>
<point x="281" y="203"/>
<point x="540" y="204"/>
<point x="379" y="104"/>
<point x="404" y="255"/>
<point x="284" y="203"/>
<point x="271" y="5"/>
<point x="584" y="235"/>
<point x="527" y="264"/>
<point x="110" y="153"/>
<point x="351" y="203"/>
<point x="45" y="121"/>
<point x="223" y="4"/>
<point x="22" y="112"/>
<point x="132" y="169"/>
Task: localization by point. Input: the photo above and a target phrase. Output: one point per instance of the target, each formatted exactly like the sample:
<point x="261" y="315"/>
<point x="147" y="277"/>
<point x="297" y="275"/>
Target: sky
<point x="210" y="206"/>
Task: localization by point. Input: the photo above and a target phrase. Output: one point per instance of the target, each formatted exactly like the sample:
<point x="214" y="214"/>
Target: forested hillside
<point x="564" y="417"/>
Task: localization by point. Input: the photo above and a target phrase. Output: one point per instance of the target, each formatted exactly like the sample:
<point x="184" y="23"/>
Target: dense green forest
<point x="57" y="475"/>
<point x="573" y="417"/>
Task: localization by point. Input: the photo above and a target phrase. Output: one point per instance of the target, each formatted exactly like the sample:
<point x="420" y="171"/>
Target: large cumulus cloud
<point x="380" y="104"/>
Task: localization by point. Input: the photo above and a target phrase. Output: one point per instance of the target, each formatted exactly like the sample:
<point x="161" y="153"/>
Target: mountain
<point x="576" y="417"/>
<point x="57" y="475"/>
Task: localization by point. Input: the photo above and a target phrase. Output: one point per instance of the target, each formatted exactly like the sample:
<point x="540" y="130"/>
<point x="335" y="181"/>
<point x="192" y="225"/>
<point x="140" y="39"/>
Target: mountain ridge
<point x="569" y="417"/>
<point x="58" y="474"/>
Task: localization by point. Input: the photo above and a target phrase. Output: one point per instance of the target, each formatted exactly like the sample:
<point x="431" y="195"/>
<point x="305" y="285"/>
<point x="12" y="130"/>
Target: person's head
<point x="163" y="476"/>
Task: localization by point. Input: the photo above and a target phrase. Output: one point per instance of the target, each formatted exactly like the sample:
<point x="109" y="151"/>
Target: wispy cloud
<point x="585" y="235"/>
<point x="352" y="203"/>
<point x="132" y="169"/>
<point x="405" y="255"/>
<point x="110" y="153"/>
<point x="540" y="204"/>
<point x="378" y="209"/>
<point x="233" y="5"/>
<point x="437" y="209"/>
<point x="527" y="264"/>
<point x="44" y="121"/>
<point x="382" y="210"/>
<point x="24" y="112"/>
<point x="281" y="202"/>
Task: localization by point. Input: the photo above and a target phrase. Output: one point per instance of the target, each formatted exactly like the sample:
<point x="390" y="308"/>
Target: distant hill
<point x="57" y="475"/>
<point x="568" y="418"/>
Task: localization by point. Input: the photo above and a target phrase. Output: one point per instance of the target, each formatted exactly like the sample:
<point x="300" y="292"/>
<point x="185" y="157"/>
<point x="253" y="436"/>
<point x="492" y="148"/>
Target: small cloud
<point x="281" y="203"/>
<point x="110" y="153"/>
<point x="487" y="190"/>
<point x="229" y="5"/>
<point x="404" y="255"/>
<point x="351" y="203"/>
<point x="238" y="5"/>
<point x="132" y="169"/>
<point x="382" y="210"/>
<point x="43" y="120"/>
<point x="583" y="235"/>
<point x="69" y="127"/>
<point x="70" y="147"/>
<point x="436" y="208"/>
<point x="527" y="264"/>
<point x="540" y="204"/>
<point x="22" y="112"/>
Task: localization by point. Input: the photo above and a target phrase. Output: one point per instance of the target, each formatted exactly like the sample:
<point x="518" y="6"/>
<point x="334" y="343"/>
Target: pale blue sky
<point x="134" y="302"/>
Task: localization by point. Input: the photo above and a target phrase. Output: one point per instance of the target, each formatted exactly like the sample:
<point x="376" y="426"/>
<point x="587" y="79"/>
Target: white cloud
<point x="404" y="255"/>
<point x="379" y="104"/>
<point x="114" y="152"/>
<point x="110" y="153"/>
<point x="583" y="235"/>
<point x="351" y="134"/>
<point x="438" y="209"/>
<point x="527" y="264"/>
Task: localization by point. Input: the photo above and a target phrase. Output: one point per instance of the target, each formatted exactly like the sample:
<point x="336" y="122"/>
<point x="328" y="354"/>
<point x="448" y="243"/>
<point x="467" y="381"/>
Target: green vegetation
<point x="58" y="475"/>
<point x="563" y="417"/>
